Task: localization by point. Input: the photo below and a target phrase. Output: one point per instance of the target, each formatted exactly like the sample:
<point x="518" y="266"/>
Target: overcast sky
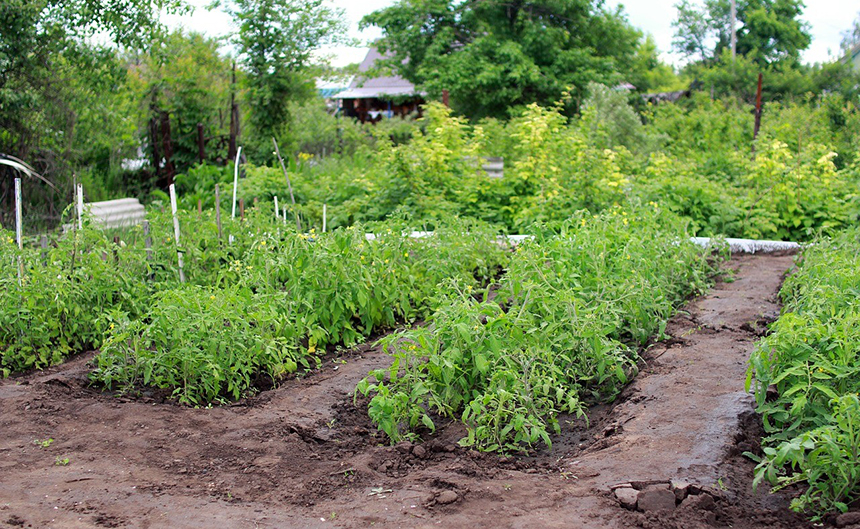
<point x="827" y="20"/>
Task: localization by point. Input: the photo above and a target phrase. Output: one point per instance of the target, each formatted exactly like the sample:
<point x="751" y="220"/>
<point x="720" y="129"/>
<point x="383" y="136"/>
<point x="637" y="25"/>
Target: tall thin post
<point x="176" y="233"/>
<point x="324" y="217"/>
<point x="757" y="125"/>
<point x="277" y="211"/>
<point x="19" y="229"/>
<point x="218" y="209"/>
<point x="199" y="208"/>
<point x="289" y="185"/>
<point x="235" y="187"/>
<point x="79" y="192"/>
<point x="242" y="208"/>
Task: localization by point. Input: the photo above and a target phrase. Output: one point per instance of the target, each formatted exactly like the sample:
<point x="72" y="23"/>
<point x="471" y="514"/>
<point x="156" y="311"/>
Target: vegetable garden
<point x="508" y="344"/>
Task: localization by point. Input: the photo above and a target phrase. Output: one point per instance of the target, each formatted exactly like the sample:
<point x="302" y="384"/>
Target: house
<point x="369" y="99"/>
<point x="853" y="57"/>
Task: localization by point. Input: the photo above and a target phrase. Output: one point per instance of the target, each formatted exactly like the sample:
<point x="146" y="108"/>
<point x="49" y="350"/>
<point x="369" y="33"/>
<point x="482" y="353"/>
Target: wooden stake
<point x="19" y="230"/>
<point x="242" y="208"/>
<point x="199" y="208"/>
<point x="235" y="187"/>
<point x="289" y="185"/>
<point x="218" y="209"/>
<point x="757" y="124"/>
<point x="324" y="217"/>
<point x="44" y="244"/>
<point x="176" y="233"/>
<point x="79" y="192"/>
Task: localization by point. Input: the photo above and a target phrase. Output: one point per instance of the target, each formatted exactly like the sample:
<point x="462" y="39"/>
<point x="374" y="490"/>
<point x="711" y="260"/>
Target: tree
<point x="55" y="86"/>
<point x="276" y="40"/>
<point x="185" y="80"/>
<point x="693" y="31"/>
<point x="851" y="37"/>
<point x="768" y="31"/>
<point x="495" y="57"/>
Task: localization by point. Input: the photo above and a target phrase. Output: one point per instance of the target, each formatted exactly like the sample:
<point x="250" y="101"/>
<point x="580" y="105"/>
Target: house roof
<point x="363" y="87"/>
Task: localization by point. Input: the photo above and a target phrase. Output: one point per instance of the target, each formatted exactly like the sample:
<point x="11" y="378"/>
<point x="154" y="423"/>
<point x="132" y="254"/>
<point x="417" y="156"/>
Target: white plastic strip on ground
<point x="735" y="245"/>
<point x="750" y="245"/>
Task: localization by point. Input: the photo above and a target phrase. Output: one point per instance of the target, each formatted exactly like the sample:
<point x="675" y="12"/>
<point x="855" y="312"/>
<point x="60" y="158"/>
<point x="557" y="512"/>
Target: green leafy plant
<point x="562" y="330"/>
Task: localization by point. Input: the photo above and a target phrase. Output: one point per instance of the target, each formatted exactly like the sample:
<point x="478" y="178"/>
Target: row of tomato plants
<point x="806" y="375"/>
<point x="263" y="305"/>
<point x="562" y="330"/>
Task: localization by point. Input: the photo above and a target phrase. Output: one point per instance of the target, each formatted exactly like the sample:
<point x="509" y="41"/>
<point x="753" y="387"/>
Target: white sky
<point x="827" y="18"/>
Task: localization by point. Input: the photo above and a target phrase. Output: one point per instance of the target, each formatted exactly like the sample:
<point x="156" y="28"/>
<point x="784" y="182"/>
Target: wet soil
<point x="305" y="455"/>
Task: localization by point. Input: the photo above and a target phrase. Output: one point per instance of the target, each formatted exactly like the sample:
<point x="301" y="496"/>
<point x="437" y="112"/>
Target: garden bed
<point x="305" y="455"/>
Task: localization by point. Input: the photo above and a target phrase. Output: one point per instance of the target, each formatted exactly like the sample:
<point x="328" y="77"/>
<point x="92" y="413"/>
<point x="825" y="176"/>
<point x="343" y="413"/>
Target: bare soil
<point x="304" y="455"/>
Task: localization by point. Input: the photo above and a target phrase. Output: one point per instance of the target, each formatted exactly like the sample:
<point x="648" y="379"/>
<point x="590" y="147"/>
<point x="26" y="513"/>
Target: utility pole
<point x="734" y="38"/>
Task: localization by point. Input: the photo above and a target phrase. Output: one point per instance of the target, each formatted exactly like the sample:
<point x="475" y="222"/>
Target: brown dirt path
<point x="303" y="456"/>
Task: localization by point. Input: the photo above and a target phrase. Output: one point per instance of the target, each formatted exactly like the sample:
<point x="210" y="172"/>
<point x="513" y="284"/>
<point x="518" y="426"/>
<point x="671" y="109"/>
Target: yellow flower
<point x="212" y="297"/>
<point x="312" y="349"/>
<point x="406" y="254"/>
<point x="262" y="243"/>
<point x="386" y="261"/>
<point x="362" y="258"/>
<point x="111" y="326"/>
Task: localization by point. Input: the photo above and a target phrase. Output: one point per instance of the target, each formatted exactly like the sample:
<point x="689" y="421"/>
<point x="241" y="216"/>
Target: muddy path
<point x="303" y="455"/>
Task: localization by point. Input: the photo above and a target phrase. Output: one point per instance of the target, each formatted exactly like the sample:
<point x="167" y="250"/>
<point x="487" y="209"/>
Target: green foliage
<point x="63" y="304"/>
<point x="811" y="360"/>
<point x="609" y="121"/>
<point x="63" y="102"/>
<point x="494" y="58"/>
<point x="277" y="299"/>
<point x="562" y="331"/>
<point x="276" y="38"/>
<point x="185" y="76"/>
<point x="767" y="30"/>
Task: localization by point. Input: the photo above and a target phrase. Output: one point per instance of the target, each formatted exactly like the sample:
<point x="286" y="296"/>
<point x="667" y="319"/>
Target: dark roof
<point x="376" y="87"/>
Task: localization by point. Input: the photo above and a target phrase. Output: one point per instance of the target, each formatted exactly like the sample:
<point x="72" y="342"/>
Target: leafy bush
<point x="812" y="360"/>
<point x="281" y="298"/>
<point x="562" y="330"/>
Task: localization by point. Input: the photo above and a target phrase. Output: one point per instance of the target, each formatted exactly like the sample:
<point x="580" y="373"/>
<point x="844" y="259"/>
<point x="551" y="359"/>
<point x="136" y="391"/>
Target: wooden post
<point x="201" y="148"/>
<point x="242" y="208"/>
<point x="757" y="125"/>
<point x="218" y="209"/>
<point x="289" y="185"/>
<point x="19" y="230"/>
<point x="176" y="233"/>
<point x="324" y="217"/>
<point x="79" y="198"/>
<point x="199" y="208"/>
<point x="44" y="244"/>
<point x="445" y="98"/>
<point x="235" y="187"/>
